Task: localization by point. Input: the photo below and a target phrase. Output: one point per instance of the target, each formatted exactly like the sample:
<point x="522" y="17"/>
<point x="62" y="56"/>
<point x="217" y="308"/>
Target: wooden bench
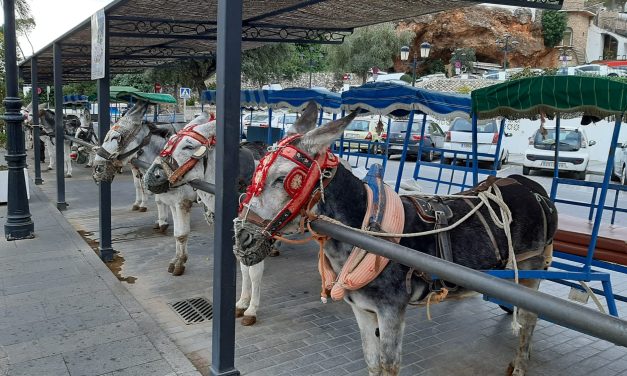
<point x="573" y="237"/>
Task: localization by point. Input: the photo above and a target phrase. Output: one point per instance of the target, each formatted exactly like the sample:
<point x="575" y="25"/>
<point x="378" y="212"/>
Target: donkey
<point x="88" y="133"/>
<point x="190" y="147"/>
<point x="299" y="176"/>
<point x="48" y="132"/>
<point x="130" y="138"/>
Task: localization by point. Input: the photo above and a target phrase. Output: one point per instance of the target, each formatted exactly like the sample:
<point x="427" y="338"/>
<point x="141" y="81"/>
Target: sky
<point x="55" y="17"/>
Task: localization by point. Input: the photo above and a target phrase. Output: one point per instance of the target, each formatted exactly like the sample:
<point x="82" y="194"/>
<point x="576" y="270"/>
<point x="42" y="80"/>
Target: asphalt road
<point x="568" y="192"/>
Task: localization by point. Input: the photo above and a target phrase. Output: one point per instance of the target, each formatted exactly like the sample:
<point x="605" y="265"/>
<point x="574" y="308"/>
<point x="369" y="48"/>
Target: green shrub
<point x="553" y="27"/>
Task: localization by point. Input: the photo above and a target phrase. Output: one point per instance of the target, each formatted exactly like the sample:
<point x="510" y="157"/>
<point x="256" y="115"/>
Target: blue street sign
<point x="185" y="93"/>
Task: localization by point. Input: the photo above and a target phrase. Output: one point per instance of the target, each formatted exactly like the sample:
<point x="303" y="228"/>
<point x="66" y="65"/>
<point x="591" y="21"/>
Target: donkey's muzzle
<point x="156" y="179"/>
<point x="103" y="172"/>
<point x="251" y="247"/>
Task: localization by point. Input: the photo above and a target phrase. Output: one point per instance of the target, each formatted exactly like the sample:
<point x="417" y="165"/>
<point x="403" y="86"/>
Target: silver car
<point x="619" y="170"/>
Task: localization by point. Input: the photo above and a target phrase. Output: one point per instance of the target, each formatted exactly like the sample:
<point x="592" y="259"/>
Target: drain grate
<point x="193" y="310"/>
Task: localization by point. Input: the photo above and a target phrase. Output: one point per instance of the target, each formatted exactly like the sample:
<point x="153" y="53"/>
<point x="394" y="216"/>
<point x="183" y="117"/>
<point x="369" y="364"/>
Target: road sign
<point x="458" y="64"/>
<point x="98" y="45"/>
<point x="39" y="91"/>
<point x="185" y="93"/>
<point x="157" y="87"/>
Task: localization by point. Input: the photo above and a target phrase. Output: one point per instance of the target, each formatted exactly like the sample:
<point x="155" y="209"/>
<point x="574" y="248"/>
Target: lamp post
<point x="506" y="44"/>
<point x="311" y="62"/>
<point x="425" y="49"/>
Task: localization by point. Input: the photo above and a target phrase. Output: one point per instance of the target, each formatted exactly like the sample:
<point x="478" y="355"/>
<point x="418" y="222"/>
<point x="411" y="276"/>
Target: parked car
<point x="459" y="138"/>
<point x="599" y="70"/>
<point x="574" y="151"/>
<point x="434" y="137"/>
<point x="364" y="129"/>
<point x="619" y="170"/>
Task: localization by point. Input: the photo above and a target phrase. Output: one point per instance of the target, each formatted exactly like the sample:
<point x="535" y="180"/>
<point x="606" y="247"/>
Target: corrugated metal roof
<point x="151" y="33"/>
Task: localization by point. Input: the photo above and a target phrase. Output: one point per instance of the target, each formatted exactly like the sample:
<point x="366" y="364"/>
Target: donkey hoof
<point x="249" y="320"/>
<point x="87" y="166"/>
<point x="156" y="226"/>
<point x="171" y="267"/>
<point x="143" y="209"/>
<point x="49" y="168"/>
<point x="184" y="259"/>
<point x="178" y="270"/>
<point x="68" y="175"/>
<point x="239" y="312"/>
<point x="510" y="370"/>
<point x="163" y="228"/>
<point x="135" y="208"/>
<point x="274" y="252"/>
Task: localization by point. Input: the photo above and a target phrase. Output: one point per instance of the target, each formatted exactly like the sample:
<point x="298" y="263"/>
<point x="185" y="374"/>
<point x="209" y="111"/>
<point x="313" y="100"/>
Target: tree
<point x="368" y="47"/>
<point x="466" y="56"/>
<point x="271" y="62"/>
<point x="553" y="27"/>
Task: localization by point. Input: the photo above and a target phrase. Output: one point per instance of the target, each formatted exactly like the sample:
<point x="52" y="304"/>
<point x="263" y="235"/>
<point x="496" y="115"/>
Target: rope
<point x="438" y="297"/>
<point x="593" y="296"/>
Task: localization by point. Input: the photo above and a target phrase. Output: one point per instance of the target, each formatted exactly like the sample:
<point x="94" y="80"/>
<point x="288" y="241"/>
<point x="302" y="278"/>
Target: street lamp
<point x="506" y="44"/>
<point x="425" y="49"/>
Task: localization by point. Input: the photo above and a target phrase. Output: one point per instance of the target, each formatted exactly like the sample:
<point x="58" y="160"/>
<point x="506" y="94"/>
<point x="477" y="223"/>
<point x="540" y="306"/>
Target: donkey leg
<point x="67" y="161"/>
<point x="51" y="153"/>
<point x="527" y="320"/>
<point x="138" y="192"/>
<point x="367" y="322"/>
<point x="162" y="216"/>
<point x="256" y="273"/>
<point x="391" y="327"/>
<point x="244" y="298"/>
<point x="173" y="260"/>
<point x="181" y="232"/>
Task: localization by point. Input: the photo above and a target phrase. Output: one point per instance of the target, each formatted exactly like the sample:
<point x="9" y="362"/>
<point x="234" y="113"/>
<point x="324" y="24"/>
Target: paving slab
<point x="62" y="312"/>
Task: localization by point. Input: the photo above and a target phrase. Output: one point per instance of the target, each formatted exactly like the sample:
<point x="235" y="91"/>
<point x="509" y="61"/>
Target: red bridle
<point x="188" y="131"/>
<point x="299" y="184"/>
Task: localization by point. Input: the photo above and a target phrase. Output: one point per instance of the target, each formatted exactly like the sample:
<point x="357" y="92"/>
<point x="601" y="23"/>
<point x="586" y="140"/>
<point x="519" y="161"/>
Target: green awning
<point x="115" y="90"/>
<point x="527" y="97"/>
<point x="152" y="98"/>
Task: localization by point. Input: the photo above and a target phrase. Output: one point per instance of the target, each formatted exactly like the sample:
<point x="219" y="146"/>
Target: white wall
<point x="594" y="47"/>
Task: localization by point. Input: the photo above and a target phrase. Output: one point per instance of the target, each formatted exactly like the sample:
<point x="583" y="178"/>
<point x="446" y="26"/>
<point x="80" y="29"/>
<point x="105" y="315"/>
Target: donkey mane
<point x="162" y="132"/>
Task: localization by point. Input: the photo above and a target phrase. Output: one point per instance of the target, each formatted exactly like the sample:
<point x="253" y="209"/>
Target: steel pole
<point x="36" y="127"/>
<point x="413" y="77"/>
<point x="58" y="125"/>
<point x="228" y="72"/>
<point x="104" y="188"/>
<point x="559" y="311"/>
<point x="19" y="224"/>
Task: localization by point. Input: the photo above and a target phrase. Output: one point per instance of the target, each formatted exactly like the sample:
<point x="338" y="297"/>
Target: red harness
<point x="188" y="131"/>
<point x="299" y="184"/>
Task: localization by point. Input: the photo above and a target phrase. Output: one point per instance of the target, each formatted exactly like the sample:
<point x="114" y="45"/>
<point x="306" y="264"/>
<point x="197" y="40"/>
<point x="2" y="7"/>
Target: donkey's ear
<point x="318" y="139"/>
<point x="306" y="121"/>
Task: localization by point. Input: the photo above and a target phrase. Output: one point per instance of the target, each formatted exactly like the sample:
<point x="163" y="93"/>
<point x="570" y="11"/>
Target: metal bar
<point x="203" y="186"/>
<point x="539" y="4"/>
<point x="556" y="167"/>
<point x="404" y="154"/>
<point x="269" y="138"/>
<point x="603" y="195"/>
<point x="228" y="72"/>
<point x="386" y="145"/>
<point x="420" y="143"/>
<point x="559" y="311"/>
<point x="59" y="128"/>
<point x="292" y="8"/>
<point x="164" y="20"/>
<point x="80" y="142"/>
<point x="19" y="224"/>
<point x="497" y="154"/>
<point x="104" y="123"/>
<point x="592" y="202"/>
<point x="342" y="139"/>
<point x="36" y="127"/>
<point x="475" y="146"/>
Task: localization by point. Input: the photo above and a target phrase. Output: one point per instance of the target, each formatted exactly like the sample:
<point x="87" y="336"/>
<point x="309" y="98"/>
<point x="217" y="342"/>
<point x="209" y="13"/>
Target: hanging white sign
<point x="98" y="45"/>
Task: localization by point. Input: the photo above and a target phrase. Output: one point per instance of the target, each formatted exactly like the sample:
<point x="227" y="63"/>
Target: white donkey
<point x="130" y="138"/>
<point x="88" y="133"/>
<point x="48" y="131"/>
<point x="196" y="143"/>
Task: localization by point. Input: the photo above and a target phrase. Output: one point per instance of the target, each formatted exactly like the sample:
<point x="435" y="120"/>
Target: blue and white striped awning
<point x="248" y="98"/>
<point x="385" y="98"/>
<point x="75" y="99"/>
<point x="294" y="99"/>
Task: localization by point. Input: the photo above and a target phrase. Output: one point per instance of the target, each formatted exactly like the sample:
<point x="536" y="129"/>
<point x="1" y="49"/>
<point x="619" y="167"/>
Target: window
<point x="463" y="125"/>
<point x="358" y="125"/>
<point x="567" y="40"/>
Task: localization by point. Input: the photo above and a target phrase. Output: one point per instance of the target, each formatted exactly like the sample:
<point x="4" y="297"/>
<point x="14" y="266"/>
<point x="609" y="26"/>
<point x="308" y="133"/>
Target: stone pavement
<point x="62" y="312"/>
<point x="296" y="334"/>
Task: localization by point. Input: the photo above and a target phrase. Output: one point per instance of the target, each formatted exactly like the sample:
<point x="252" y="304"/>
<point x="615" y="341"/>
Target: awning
<point x="115" y="90"/>
<point x="293" y="99"/>
<point x="528" y="97"/>
<point x="152" y="98"/>
<point x="385" y="98"/>
<point x="75" y="99"/>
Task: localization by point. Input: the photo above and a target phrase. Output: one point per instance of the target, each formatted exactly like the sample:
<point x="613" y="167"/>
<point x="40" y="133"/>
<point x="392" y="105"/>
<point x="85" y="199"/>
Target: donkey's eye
<point x="188" y="147"/>
<point x="278" y="181"/>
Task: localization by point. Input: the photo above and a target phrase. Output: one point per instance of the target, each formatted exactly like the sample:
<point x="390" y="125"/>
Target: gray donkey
<point x="71" y="124"/>
<point x="380" y="305"/>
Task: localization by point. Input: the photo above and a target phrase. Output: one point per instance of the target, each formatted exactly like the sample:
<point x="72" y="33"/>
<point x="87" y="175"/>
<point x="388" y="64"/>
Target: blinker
<point x="200" y="152"/>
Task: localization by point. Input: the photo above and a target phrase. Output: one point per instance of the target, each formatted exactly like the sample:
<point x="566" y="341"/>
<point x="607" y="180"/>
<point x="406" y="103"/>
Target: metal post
<point x="36" y="127"/>
<point x="556" y="157"/>
<point x="420" y="142"/>
<point x="497" y="154"/>
<point x="342" y="139"/>
<point x="269" y="126"/>
<point x="404" y="155"/>
<point x="320" y="116"/>
<point x="413" y="77"/>
<point x="602" y="196"/>
<point x="19" y="224"/>
<point x="228" y="70"/>
<point x="104" y="188"/>
<point x="59" y="131"/>
<point x="475" y="158"/>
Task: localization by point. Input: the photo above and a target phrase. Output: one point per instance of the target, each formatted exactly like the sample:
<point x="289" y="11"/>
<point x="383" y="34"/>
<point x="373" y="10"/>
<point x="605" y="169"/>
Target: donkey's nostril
<point x="99" y="169"/>
<point x="245" y="238"/>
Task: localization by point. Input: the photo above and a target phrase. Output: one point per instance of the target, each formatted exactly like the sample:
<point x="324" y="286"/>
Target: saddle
<point x="433" y="210"/>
